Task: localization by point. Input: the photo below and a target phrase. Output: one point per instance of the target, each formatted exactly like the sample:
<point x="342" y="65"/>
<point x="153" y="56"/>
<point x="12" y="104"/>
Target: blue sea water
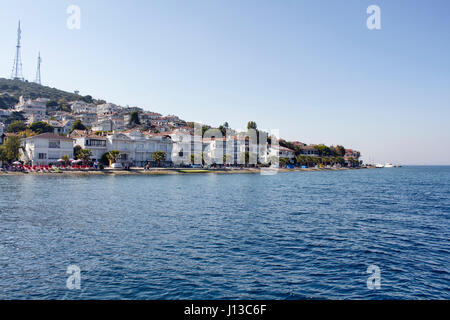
<point x="297" y="235"/>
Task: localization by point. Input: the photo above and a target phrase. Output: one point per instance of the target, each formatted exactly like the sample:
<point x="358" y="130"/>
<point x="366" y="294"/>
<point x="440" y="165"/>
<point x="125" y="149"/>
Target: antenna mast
<point x="17" y="67"/>
<point x="38" y="71"/>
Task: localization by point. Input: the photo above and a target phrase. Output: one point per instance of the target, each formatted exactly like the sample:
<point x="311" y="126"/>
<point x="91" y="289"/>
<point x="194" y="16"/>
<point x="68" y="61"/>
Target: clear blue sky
<point x="309" y="68"/>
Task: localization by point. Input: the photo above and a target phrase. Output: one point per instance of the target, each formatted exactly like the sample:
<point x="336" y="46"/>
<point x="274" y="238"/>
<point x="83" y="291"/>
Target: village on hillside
<point x="91" y="133"/>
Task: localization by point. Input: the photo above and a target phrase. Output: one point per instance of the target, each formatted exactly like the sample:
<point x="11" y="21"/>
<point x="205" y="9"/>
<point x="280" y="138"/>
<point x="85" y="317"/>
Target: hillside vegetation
<point x="29" y="90"/>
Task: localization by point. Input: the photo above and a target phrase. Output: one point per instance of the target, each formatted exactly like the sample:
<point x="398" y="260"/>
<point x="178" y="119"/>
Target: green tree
<point x="223" y="128"/>
<point x="204" y="129"/>
<point x="7" y="101"/>
<point x="302" y="160"/>
<point x="87" y="99"/>
<point x="227" y="159"/>
<point x="193" y="158"/>
<point x="16" y="126"/>
<point x="340" y="160"/>
<point x="134" y="118"/>
<point x="159" y="156"/>
<point x="27" y="133"/>
<point x="112" y="156"/>
<point x="78" y="125"/>
<point x="323" y="150"/>
<point x="245" y="157"/>
<point x="104" y="159"/>
<point x="52" y="104"/>
<point x="252" y="125"/>
<point x="76" y="150"/>
<point x="85" y="155"/>
<point x="340" y="151"/>
<point x="66" y="159"/>
<point x="284" y="162"/>
<point x="15" y="116"/>
<point x="10" y="150"/>
<point x="3" y="157"/>
<point x="41" y="127"/>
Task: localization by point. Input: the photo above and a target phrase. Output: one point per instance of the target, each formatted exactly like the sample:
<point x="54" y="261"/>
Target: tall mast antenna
<point x="17" y="67"/>
<point x="38" y="71"/>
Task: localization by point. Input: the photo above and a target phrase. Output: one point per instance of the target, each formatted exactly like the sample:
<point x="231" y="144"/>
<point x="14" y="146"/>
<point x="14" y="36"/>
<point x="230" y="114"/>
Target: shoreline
<point x="168" y="171"/>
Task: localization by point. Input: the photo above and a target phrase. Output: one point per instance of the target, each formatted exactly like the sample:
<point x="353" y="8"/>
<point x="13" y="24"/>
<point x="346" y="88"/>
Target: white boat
<point x="379" y="165"/>
<point x="388" y="165"/>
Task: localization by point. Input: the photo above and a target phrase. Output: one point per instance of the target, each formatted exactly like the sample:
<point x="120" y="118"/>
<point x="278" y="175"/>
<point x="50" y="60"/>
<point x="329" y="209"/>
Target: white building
<point x="79" y="107"/>
<point x="137" y="148"/>
<point x="148" y="116"/>
<point x="214" y="150"/>
<point x="60" y="127"/>
<point x="118" y="122"/>
<point x="103" y="125"/>
<point x="286" y="153"/>
<point x="46" y="148"/>
<point x="63" y="116"/>
<point x="107" y="109"/>
<point x="281" y="152"/>
<point x="88" y="119"/>
<point x="34" y="110"/>
<point x="95" y="143"/>
<point x="310" y="151"/>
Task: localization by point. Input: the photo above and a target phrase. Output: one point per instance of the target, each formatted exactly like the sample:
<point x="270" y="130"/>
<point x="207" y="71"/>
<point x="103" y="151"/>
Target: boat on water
<point x="387" y="165"/>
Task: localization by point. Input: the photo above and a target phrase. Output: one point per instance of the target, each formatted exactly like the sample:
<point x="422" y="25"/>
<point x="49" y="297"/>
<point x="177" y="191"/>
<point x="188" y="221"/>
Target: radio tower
<point x="17" y="67"/>
<point x="38" y="71"/>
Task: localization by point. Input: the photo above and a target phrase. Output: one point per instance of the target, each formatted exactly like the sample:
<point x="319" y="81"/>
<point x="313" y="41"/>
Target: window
<point x="42" y="156"/>
<point x="96" y="143"/>
<point x="54" y="144"/>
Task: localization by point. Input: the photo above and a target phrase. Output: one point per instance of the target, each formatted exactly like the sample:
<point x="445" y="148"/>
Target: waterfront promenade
<point x="170" y="171"/>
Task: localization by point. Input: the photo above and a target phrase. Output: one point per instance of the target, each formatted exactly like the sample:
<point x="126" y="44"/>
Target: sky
<point x="311" y="69"/>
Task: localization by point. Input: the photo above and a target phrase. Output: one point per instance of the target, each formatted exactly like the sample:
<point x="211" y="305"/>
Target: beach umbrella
<point x="17" y="163"/>
<point x="60" y="160"/>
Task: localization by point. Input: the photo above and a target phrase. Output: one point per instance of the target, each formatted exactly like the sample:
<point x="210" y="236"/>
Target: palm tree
<point x="309" y="161"/>
<point x="227" y="159"/>
<point x="159" y="156"/>
<point x="284" y="162"/>
<point x="112" y="156"/>
<point x="193" y="158"/>
<point x="66" y="159"/>
<point x="84" y="155"/>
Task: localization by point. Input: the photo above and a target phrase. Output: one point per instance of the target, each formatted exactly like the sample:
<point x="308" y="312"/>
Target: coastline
<point x="168" y="171"/>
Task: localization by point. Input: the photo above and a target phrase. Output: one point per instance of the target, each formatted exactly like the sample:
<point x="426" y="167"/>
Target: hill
<point x="30" y="90"/>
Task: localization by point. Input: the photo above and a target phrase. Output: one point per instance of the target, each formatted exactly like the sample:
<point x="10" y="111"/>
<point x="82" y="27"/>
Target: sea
<point x="350" y="234"/>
